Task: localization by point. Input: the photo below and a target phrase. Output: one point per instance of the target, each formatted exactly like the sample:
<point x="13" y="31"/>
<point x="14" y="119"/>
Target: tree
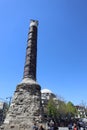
<point x="61" y="109"/>
<point x="52" y="108"/>
<point x="71" y="110"/>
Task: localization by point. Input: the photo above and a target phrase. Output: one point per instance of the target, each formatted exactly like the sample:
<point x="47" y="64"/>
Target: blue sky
<point x="62" y="46"/>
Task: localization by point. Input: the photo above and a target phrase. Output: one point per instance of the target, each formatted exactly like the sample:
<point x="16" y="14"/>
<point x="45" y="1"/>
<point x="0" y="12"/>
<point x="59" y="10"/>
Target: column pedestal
<point x="25" y="108"/>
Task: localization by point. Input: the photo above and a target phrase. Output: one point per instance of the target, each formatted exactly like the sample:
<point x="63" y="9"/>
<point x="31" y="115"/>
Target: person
<point x="56" y="126"/>
<point x="35" y="127"/>
<point x="47" y="126"/>
<point x="41" y="127"/>
<point x="70" y="126"/>
<point x="51" y="125"/>
<point x="75" y="127"/>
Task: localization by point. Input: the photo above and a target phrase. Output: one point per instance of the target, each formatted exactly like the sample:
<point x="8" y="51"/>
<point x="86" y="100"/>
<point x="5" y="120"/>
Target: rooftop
<point x="46" y="91"/>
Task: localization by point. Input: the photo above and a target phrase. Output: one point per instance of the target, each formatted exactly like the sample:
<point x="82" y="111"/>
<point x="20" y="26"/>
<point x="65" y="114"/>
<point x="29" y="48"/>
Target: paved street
<point x="63" y="128"/>
<point x="66" y="128"/>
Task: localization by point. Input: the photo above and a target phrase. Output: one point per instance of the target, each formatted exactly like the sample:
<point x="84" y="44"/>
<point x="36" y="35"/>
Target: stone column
<point x="26" y="107"/>
<point x="31" y="52"/>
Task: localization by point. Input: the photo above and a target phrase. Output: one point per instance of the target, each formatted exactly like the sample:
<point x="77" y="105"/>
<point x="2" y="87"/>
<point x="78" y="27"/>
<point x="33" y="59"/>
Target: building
<point x="3" y="111"/>
<point x="47" y="94"/>
<point x="81" y="111"/>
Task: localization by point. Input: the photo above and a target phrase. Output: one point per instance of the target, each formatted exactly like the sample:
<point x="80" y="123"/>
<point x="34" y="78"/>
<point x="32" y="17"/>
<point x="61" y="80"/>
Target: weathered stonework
<point x="26" y="108"/>
<point x="31" y="52"/>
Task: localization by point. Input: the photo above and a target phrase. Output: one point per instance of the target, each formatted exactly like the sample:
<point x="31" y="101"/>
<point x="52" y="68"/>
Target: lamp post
<point x="9" y="102"/>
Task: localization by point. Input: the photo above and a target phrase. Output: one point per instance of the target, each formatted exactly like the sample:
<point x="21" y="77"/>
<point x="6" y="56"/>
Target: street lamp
<point x="9" y="102"/>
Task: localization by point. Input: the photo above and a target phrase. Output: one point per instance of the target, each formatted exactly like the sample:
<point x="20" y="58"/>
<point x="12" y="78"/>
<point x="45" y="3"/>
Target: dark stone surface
<point x="31" y="54"/>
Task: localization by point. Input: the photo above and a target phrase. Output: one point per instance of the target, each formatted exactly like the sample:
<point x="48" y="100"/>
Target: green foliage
<point x="60" y="109"/>
<point x="51" y="108"/>
<point x="71" y="110"/>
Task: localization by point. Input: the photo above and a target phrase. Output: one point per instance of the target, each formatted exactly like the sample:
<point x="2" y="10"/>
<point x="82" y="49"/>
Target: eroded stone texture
<point x="26" y="108"/>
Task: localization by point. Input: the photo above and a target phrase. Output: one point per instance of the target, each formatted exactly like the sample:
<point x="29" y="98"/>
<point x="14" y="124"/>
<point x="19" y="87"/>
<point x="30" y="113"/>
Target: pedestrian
<point x="35" y="127"/>
<point x="47" y="126"/>
<point x="75" y="127"/>
<point x="41" y="127"/>
<point x="70" y="126"/>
